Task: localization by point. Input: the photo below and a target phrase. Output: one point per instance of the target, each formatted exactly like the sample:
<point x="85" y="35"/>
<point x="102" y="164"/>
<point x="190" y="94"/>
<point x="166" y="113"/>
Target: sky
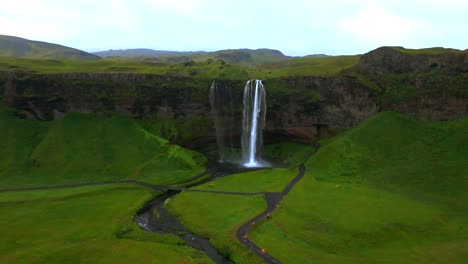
<point x="295" y="27"/>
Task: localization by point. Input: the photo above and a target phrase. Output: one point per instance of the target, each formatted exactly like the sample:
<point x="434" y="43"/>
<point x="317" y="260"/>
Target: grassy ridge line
<point x="24" y="48"/>
<point x="88" y="148"/>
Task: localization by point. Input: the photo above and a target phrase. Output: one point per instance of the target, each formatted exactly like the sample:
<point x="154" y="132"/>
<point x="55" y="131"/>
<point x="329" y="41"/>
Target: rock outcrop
<point x="398" y="60"/>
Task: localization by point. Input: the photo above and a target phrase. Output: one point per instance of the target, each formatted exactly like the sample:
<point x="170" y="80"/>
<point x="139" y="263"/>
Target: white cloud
<point x="295" y="26"/>
<point x="179" y="7"/>
<point x="381" y="27"/>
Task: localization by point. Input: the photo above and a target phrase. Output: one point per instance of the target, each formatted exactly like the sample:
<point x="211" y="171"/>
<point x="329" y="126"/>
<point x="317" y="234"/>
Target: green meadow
<point x="392" y="190"/>
<point x="203" y="69"/>
<point x="84" y="225"/>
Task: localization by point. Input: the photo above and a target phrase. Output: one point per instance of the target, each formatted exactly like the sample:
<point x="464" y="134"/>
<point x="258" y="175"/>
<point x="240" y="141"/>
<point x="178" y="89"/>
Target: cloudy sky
<point x="296" y="27"/>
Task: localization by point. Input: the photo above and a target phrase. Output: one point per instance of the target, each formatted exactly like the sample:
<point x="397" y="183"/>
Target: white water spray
<point x="253" y="122"/>
<point x="223" y="114"/>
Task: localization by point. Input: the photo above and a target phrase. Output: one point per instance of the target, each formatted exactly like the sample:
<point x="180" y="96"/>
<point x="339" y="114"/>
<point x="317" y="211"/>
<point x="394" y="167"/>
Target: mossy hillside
<point x="86" y="224"/>
<point x="402" y="153"/>
<point x="397" y="88"/>
<point x="290" y="153"/>
<point x="391" y="189"/>
<point x="181" y="130"/>
<point x="89" y="148"/>
<point x="19" y="137"/>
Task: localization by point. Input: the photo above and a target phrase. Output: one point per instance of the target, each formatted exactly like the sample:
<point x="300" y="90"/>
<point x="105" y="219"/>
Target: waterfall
<point x="253" y="122"/>
<point x="223" y="115"/>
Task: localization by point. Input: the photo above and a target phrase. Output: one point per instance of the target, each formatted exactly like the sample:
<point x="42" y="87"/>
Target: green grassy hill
<point x="88" y="148"/>
<point x="429" y="51"/>
<point x="394" y="151"/>
<point x="392" y="190"/>
<point x="23" y="48"/>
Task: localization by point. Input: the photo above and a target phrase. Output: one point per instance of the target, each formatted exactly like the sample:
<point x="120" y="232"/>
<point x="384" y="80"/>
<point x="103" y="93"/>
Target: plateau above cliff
<point x="307" y="97"/>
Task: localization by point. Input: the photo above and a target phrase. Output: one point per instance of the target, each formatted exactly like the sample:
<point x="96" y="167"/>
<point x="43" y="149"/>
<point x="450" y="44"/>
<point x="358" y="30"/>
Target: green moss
<point x="181" y="130"/>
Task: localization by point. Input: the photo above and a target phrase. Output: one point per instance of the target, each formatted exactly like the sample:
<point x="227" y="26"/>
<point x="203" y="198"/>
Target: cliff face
<point x="299" y="107"/>
<point x="394" y="60"/>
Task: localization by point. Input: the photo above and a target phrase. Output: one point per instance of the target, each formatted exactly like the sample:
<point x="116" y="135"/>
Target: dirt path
<point x="166" y="224"/>
<point x="273" y="199"/>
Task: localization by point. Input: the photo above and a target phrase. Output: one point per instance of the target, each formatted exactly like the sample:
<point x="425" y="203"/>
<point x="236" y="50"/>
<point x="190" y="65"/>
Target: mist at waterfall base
<point x="253" y="121"/>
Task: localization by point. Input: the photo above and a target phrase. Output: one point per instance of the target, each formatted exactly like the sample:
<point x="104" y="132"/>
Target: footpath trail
<point x="273" y="199"/>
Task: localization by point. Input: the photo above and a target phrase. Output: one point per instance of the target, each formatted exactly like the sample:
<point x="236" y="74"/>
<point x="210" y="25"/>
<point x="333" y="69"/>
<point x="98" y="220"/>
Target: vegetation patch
<point x="217" y="217"/>
<point x="82" y="148"/>
<point x="390" y="190"/>
<point x="86" y="224"/>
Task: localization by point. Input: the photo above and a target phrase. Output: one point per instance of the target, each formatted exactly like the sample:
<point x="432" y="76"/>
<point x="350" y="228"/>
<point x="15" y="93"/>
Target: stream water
<point x="155" y="218"/>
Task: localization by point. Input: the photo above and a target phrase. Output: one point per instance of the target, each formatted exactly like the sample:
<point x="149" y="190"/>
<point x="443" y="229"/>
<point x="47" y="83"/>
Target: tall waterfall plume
<point x="253" y="123"/>
<point x="222" y="110"/>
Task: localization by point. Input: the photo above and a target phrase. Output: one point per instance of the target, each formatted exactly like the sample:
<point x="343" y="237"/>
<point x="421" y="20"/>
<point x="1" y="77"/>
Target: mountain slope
<point x="88" y="148"/>
<point x="231" y="56"/>
<point x="23" y="48"/>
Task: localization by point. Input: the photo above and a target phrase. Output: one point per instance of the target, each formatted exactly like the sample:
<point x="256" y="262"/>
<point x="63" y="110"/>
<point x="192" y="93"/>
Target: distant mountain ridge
<point x="11" y="46"/>
<point x="144" y="53"/>
<point x="231" y="56"/>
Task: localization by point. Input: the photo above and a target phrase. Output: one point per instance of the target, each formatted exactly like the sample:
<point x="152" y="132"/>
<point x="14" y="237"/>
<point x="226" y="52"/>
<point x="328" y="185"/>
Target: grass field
<point x="266" y="180"/>
<point x="392" y="190"/>
<point x="83" y="225"/>
<point x="218" y="216"/>
<point x="81" y="148"/>
<point x="306" y="66"/>
<point x="208" y="69"/>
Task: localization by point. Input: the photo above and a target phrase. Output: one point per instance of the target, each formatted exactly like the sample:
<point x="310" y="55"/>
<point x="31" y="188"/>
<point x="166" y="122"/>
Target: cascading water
<point x="223" y="114"/>
<point x="253" y="123"/>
